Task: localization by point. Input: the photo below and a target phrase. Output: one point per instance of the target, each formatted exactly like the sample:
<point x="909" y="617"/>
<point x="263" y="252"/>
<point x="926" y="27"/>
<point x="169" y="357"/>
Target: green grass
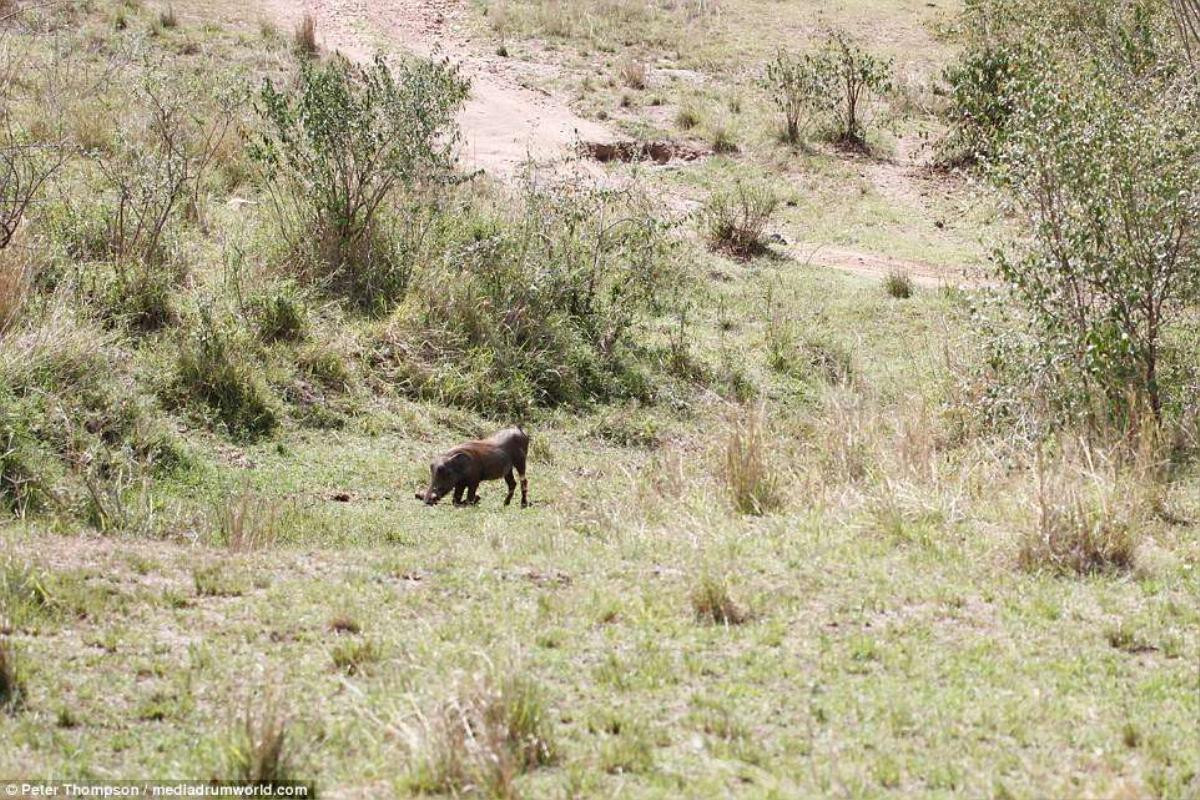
<point x="280" y="606"/>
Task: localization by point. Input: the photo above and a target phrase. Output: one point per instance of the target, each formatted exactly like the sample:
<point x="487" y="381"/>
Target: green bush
<point x="854" y="79"/>
<point x="798" y="87"/>
<point x="339" y="152"/>
<point x="216" y="367"/>
<point x="537" y="307"/>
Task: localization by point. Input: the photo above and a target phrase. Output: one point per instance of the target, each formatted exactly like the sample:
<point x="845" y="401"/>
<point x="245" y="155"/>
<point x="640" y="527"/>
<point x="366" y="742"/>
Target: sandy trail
<point x="504" y="124"/>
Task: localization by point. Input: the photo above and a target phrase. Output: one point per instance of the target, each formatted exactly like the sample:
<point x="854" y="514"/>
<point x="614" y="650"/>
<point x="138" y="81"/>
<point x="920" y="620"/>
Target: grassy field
<point x="890" y="627"/>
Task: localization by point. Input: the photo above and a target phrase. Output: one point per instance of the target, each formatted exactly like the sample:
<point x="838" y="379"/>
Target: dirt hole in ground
<point x="658" y="152"/>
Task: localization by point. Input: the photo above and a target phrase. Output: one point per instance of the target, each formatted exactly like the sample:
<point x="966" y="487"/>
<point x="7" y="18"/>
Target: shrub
<point x="214" y="367"/>
<point x="855" y="78"/>
<point x="339" y="150"/>
<point x="898" y="284"/>
<point x="735" y="219"/>
<point x="539" y="306"/>
<point x="711" y="602"/>
<point x="797" y="86"/>
<point x="482" y="739"/>
<point x="753" y="488"/>
<point x="984" y="87"/>
<point x="1104" y="166"/>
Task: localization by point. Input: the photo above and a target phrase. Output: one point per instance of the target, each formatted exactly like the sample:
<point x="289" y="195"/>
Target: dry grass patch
<point x="16" y="286"/>
<point x="1087" y="518"/>
<point x="481" y="739"/>
<point x="752" y="484"/>
<point x="247" y="523"/>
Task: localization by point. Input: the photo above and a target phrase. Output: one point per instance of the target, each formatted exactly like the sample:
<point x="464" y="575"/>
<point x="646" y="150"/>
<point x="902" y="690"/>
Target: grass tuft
<point x="712" y="604"/>
<point x="247" y="523"/>
<point x="735" y="220"/>
<point x="752" y="486"/>
<point x="262" y="752"/>
<point x="898" y="284"/>
<point x="354" y="657"/>
<point x="482" y="739"/>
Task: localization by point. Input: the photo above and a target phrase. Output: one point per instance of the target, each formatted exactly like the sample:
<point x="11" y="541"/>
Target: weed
<point x="218" y="580"/>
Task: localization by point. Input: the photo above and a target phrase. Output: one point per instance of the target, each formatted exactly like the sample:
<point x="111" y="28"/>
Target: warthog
<point x="464" y="467"/>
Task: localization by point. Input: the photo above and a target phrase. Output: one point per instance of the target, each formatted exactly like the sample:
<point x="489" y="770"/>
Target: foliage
<point x="854" y="78"/>
<point x="797" y="85"/>
<point x="337" y="151"/>
<point x="539" y="309"/>
<point x="1106" y="168"/>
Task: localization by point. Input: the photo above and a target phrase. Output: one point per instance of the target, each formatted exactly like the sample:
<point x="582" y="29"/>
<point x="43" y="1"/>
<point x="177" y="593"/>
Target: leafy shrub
<point x="215" y="367"/>
<point x="797" y="86"/>
<point x="984" y="86"/>
<point x="1105" y="167"/>
<point x="735" y="219"/>
<point x="855" y="78"/>
<point x="338" y="150"/>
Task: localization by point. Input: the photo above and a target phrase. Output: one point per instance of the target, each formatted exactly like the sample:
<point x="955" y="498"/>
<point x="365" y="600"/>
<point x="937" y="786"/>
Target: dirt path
<point x="504" y="123"/>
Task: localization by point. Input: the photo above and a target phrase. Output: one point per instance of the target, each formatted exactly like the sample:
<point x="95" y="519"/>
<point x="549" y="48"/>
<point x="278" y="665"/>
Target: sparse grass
<point x="167" y="18"/>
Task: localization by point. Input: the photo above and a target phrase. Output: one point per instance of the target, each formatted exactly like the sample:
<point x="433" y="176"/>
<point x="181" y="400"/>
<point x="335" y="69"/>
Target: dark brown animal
<point x="463" y="468"/>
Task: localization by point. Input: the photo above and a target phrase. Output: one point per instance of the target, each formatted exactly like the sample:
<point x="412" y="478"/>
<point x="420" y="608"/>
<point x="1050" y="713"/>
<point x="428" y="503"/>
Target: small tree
<point x="1107" y="168"/>
<point x="797" y="86"/>
<point x="339" y="147"/>
<point x="855" y="78"/>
